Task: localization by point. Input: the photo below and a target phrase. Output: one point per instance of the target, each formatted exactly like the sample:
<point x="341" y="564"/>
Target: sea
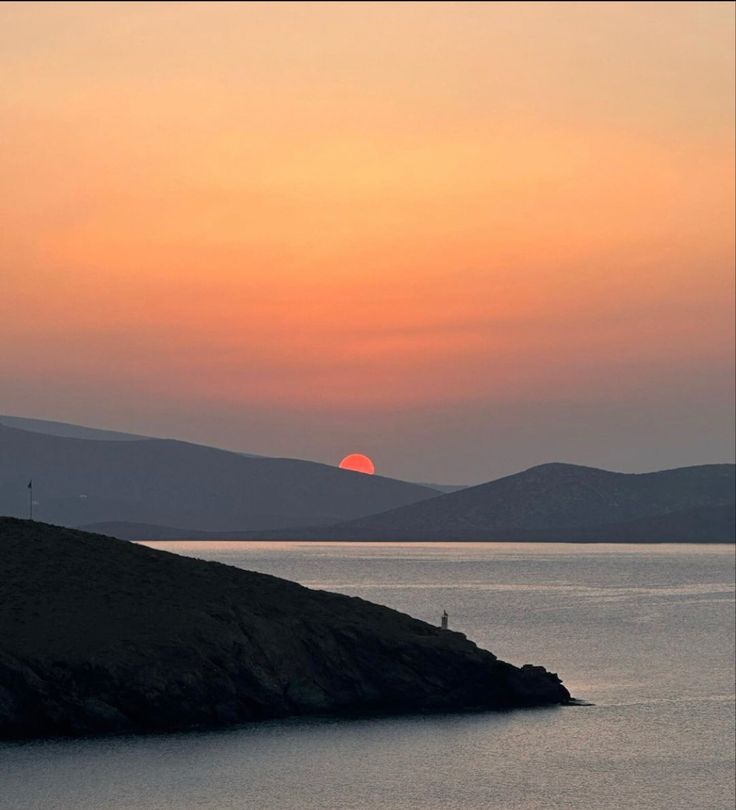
<point x="643" y="633"/>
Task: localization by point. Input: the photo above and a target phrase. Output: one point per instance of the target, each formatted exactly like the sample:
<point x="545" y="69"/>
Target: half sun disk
<point x="357" y="462"/>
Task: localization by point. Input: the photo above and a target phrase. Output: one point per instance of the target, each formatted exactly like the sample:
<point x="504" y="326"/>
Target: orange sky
<point x="296" y="228"/>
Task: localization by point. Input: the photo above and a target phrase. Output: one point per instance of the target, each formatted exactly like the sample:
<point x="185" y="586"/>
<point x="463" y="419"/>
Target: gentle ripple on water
<point x="644" y="632"/>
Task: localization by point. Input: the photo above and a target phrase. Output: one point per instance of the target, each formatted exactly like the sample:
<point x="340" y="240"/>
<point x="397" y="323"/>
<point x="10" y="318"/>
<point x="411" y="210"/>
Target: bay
<point x="644" y="632"/>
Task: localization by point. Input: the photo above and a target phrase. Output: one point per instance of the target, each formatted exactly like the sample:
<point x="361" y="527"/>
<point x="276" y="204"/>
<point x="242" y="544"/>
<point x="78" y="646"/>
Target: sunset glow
<point x="321" y="222"/>
<point x="353" y="353"/>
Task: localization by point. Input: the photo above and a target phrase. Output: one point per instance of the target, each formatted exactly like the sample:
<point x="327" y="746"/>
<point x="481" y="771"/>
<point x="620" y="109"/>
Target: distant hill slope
<point x="67" y="429"/>
<point x="444" y="488"/>
<point x="565" y="502"/>
<point x="72" y="431"/>
<point x="104" y="636"/>
<point x="698" y="524"/>
<point x="171" y="483"/>
<point x="125" y="530"/>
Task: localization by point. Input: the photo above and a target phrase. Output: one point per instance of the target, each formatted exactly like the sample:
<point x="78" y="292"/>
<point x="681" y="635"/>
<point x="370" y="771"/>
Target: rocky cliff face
<point x="99" y="635"/>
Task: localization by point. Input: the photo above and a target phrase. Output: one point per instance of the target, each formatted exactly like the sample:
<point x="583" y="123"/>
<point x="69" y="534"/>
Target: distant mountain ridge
<point x="141" y="487"/>
<point x="125" y="530"/>
<point x="565" y="502"/>
<point x="70" y="430"/>
<point x="163" y="482"/>
<point x="67" y="429"/>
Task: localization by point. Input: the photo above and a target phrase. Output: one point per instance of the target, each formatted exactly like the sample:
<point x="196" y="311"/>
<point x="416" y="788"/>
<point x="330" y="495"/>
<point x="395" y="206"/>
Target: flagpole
<point x="30" y="500"/>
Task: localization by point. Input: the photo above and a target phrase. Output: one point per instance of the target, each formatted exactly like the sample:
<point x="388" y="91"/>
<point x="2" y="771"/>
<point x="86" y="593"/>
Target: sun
<point x="357" y="462"/>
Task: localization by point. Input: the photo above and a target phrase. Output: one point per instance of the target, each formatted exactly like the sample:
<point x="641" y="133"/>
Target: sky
<point x="461" y="238"/>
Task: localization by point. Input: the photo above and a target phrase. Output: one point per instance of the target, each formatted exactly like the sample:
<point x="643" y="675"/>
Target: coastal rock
<point x="98" y="635"/>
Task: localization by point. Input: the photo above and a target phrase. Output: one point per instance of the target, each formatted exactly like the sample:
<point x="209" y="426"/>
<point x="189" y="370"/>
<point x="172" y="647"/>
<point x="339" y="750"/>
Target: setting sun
<point x="490" y="242"/>
<point x="357" y="462"/>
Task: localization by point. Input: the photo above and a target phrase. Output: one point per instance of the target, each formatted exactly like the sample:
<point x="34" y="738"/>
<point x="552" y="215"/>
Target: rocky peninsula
<point x="98" y="635"/>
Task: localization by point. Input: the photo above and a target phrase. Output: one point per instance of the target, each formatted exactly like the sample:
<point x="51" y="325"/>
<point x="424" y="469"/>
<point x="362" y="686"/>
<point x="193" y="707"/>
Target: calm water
<point x="644" y="632"/>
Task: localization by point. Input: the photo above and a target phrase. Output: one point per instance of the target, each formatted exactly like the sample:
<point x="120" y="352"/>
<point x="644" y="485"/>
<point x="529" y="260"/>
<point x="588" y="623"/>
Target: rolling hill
<point x="163" y="482"/>
<point x="67" y="429"/>
<point x="564" y="502"/>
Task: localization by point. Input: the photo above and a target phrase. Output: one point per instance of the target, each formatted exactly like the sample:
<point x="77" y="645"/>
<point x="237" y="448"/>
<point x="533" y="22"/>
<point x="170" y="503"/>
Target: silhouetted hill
<point x="443" y="487"/>
<point x="72" y="431"/>
<point x="67" y="429"/>
<point x="124" y="530"/>
<point x="171" y="483"/>
<point x="99" y="635"/>
<point x="698" y="524"/>
<point x="564" y="502"/>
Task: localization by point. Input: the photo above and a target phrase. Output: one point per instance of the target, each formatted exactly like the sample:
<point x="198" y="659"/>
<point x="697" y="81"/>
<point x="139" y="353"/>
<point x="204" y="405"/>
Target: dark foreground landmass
<point x="98" y="635"/>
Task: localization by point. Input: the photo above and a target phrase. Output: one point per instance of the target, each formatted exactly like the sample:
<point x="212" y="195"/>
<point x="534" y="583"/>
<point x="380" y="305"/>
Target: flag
<point x="30" y="484"/>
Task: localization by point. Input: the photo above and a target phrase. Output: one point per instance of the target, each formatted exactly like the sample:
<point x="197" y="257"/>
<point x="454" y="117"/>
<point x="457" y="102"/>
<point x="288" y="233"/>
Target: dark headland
<point x="98" y="636"/>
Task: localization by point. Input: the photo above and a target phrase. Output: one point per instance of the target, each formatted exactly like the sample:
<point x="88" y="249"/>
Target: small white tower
<point x="443" y="624"/>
